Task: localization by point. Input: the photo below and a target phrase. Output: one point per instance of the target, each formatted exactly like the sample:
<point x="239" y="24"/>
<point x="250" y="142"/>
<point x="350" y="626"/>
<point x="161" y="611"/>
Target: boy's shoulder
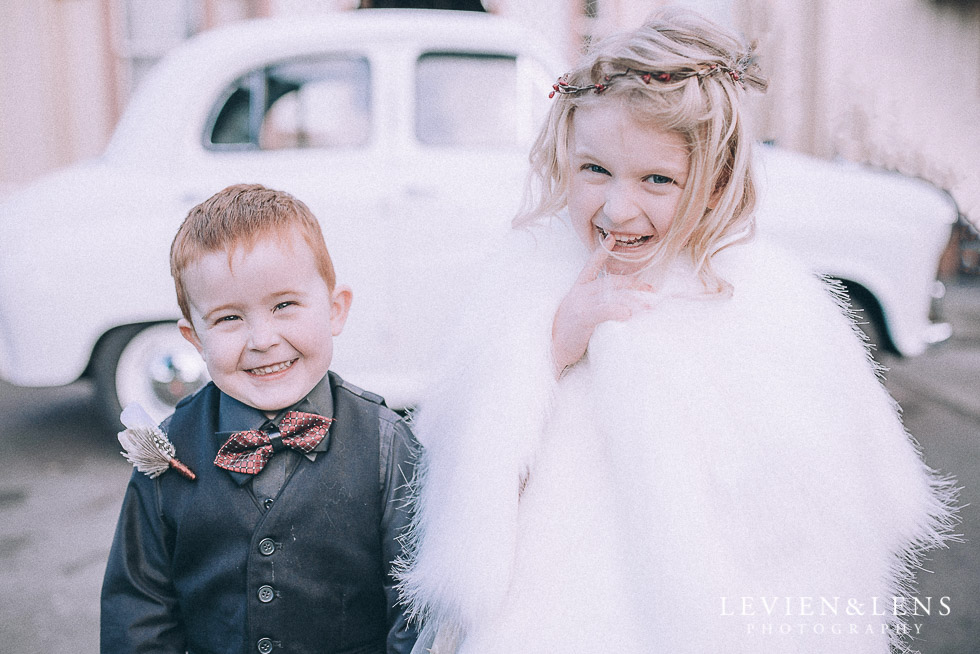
<point x="207" y="392"/>
<point x="389" y="418"/>
<point x="207" y="389"/>
<point x="342" y="384"/>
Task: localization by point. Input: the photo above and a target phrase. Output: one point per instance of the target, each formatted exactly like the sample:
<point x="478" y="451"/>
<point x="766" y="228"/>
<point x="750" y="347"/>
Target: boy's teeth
<point x="267" y="370"/>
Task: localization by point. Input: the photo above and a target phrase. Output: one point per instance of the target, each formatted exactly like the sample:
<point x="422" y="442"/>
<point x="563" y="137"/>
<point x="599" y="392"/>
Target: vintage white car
<point x="407" y="133"/>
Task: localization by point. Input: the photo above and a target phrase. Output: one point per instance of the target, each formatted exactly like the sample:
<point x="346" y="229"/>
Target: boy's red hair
<point x="238" y="216"/>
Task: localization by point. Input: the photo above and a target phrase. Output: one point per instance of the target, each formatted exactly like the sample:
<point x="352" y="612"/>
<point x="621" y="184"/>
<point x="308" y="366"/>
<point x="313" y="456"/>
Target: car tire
<point x="869" y="318"/>
<point x="148" y="364"/>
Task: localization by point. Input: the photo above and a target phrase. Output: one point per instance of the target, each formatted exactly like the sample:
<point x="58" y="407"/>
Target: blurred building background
<point x="894" y="83"/>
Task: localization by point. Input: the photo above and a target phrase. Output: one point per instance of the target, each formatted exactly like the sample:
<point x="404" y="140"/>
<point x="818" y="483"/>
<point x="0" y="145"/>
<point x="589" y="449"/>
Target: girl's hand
<point x="594" y="298"/>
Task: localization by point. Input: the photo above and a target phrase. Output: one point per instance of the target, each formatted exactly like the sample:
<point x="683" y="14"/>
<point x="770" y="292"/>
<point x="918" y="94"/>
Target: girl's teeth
<point x="635" y="240"/>
<point x="268" y="370"/>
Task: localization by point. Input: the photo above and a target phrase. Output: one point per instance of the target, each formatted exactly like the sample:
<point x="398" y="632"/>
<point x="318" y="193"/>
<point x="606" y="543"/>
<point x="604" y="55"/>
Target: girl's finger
<point x="638" y="301"/>
<point x="622" y="305"/>
<point x="629" y="282"/>
<point x="596" y="260"/>
<point x="618" y="311"/>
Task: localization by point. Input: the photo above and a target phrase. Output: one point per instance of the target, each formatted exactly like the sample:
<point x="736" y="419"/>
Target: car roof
<point x="454" y="28"/>
<point x="217" y="56"/>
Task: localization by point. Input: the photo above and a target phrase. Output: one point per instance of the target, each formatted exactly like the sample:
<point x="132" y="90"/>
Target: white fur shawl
<point x="707" y="457"/>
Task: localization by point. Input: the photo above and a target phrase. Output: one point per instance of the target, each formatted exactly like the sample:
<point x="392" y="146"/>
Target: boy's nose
<point x="262" y="335"/>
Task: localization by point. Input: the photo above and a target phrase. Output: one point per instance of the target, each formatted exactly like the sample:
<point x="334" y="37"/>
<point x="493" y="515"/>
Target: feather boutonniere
<point x="146" y="446"/>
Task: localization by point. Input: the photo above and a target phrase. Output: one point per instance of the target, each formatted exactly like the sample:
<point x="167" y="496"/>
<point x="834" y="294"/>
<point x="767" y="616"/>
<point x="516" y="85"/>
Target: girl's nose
<point x="620" y="206"/>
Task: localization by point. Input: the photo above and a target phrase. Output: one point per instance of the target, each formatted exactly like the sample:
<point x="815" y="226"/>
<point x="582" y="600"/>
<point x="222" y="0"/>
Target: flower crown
<point x="736" y="72"/>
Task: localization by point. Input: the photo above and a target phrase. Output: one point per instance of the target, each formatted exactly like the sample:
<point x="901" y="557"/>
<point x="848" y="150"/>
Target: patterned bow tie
<point x="248" y="451"/>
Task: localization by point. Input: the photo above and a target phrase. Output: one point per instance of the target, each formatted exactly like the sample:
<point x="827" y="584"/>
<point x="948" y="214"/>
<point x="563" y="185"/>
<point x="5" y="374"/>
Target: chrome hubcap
<point x="174" y="375"/>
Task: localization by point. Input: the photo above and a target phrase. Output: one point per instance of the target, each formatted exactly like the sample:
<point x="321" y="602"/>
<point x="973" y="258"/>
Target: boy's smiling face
<point x="264" y="320"/>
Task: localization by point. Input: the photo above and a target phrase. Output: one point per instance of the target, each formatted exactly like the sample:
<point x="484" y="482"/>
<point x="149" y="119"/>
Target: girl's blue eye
<point x="595" y="168"/>
<point x="660" y="179"/>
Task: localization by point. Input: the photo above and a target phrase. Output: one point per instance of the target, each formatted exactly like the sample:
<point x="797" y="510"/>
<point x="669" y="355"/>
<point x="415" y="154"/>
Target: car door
<point x="463" y="162"/>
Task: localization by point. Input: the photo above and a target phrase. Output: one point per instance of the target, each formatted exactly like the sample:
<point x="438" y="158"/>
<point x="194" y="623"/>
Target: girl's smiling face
<point x="627" y="179"/>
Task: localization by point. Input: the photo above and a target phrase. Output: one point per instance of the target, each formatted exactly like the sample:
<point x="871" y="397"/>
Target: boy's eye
<point x="283" y="305"/>
<point x="595" y="168"/>
<point x="228" y="318"/>
<point x="660" y="179"/>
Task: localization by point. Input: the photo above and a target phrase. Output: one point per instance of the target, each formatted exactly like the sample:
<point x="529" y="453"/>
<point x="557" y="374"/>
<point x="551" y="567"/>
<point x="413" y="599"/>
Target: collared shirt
<point x="236" y="416"/>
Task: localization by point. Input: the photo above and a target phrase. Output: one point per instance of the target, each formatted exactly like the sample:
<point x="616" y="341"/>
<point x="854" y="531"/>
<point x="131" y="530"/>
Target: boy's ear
<point x="339" y="306"/>
<point x="187" y="331"/>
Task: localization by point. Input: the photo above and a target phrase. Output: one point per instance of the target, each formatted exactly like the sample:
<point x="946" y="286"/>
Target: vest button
<point x="266" y="594"/>
<point x="264" y="645"/>
<point x="267" y="546"/>
<point x="268" y="503"/>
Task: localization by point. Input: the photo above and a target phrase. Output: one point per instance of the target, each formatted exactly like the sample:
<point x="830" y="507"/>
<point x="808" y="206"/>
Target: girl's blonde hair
<point x="679" y="72"/>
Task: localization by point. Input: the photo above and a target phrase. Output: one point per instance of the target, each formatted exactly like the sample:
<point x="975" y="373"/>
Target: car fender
<point x="879" y="229"/>
<point x="49" y="231"/>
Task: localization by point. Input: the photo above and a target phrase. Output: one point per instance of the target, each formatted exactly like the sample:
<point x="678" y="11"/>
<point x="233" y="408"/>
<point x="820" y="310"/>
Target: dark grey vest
<point x="305" y="574"/>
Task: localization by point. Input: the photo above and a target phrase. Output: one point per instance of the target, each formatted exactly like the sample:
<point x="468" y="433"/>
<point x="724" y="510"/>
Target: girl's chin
<point x="629" y="260"/>
<point x="634" y="259"/>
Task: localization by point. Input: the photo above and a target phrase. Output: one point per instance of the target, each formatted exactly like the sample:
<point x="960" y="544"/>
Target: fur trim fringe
<point x="714" y="465"/>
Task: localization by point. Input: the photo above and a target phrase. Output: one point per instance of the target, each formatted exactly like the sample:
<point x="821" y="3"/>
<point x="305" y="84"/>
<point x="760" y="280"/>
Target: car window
<point x="306" y="103"/>
<point x="466" y="100"/>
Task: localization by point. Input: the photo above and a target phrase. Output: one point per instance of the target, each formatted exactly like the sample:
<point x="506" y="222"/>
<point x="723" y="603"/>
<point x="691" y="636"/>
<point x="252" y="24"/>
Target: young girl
<point x="658" y="433"/>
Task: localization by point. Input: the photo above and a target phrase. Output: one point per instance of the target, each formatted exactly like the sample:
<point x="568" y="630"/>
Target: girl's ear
<point x="340" y="302"/>
<point x="187" y="331"/>
<point x="718" y="192"/>
<point x="715" y="197"/>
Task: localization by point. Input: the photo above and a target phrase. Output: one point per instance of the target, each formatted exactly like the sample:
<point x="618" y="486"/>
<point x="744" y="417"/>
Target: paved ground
<point x="939" y="393"/>
<point x="62" y="481"/>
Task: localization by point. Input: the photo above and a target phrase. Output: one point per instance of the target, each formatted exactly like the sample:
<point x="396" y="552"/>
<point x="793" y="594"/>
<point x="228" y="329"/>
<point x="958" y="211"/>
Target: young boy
<point x="271" y="548"/>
